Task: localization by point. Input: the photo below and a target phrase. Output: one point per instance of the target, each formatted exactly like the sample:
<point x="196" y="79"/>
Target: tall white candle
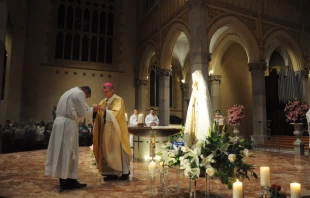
<point x="152" y="168"/>
<point x="237" y="189"/>
<point x="265" y="176"/>
<point x="140" y="118"/>
<point x="295" y="190"/>
<point x="126" y="116"/>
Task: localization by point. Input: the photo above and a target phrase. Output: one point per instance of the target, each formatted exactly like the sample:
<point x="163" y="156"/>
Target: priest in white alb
<point x="62" y="154"/>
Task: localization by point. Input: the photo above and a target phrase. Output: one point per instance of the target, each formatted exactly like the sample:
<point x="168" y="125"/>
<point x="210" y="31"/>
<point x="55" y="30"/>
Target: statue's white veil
<point x="204" y="112"/>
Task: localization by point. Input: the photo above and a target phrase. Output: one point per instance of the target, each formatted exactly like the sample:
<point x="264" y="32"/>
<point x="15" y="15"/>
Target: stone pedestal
<point x="299" y="147"/>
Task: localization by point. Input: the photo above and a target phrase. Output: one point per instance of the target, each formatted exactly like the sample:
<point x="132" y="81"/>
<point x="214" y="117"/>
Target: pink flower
<point x="296" y="111"/>
<point x="235" y="114"/>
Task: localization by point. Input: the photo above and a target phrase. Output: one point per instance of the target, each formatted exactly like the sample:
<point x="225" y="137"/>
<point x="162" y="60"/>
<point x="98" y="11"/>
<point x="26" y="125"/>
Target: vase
<point x="298" y="130"/>
<point x="208" y="181"/>
<point x="177" y="177"/>
<point x="236" y="129"/>
<point x="299" y="145"/>
<point x="192" y="188"/>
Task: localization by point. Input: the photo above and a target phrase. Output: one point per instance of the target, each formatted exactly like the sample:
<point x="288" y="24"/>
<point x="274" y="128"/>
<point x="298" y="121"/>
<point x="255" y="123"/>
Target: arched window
<point x="85" y="30"/>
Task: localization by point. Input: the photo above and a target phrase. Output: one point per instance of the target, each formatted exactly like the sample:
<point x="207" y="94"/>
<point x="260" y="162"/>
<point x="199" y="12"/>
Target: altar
<point x="147" y="140"/>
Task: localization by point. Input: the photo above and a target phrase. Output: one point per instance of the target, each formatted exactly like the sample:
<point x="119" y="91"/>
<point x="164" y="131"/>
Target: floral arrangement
<point x="295" y="111"/>
<point x="275" y="191"/>
<point x="235" y="114"/>
<point x="217" y="156"/>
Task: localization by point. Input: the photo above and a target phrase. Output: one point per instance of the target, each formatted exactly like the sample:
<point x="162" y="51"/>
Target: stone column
<point x="141" y="102"/>
<point x="184" y="89"/>
<point x="257" y="70"/>
<point x="198" y="36"/>
<point x="215" y="81"/>
<point x="164" y="96"/>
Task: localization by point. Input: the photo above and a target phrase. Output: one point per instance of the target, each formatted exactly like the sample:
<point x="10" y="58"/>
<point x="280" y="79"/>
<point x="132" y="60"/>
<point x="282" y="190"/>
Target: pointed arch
<point x="282" y="37"/>
<point x="169" y="42"/>
<point x="237" y="27"/>
<point x="149" y="51"/>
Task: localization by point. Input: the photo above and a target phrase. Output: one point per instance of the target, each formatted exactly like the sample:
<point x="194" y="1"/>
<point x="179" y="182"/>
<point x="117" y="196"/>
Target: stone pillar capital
<point x="140" y="82"/>
<point x="184" y="86"/>
<point x="257" y="66"/>
<point x="215" y="78"/>
<point x="164" y="72"/>
<point x="196" y="3"/>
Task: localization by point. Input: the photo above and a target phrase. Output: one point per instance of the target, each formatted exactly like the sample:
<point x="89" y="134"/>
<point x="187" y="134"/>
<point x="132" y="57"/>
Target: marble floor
<point x="21" y="175"/>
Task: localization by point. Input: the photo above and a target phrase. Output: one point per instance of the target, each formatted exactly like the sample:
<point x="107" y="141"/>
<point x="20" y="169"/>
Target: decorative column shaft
<point x="164" y="96"/>
<point x="215" y="81"/>
<point x="141" y="103"/>
<point x="259" y="101"/>
<point x="198" y="36"/>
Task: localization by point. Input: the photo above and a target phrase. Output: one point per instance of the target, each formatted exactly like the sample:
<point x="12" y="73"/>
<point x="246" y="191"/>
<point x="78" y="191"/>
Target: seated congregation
<point x="26" y="136"/>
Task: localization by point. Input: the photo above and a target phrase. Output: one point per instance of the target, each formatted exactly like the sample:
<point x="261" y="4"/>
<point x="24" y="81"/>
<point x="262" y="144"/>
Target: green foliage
<point x="221" y="147"/>
<point x="221" y="156"/>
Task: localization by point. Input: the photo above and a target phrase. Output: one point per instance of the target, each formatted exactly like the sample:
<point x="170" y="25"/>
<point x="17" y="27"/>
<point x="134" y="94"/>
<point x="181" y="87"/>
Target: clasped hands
<point x="97" y="107"/>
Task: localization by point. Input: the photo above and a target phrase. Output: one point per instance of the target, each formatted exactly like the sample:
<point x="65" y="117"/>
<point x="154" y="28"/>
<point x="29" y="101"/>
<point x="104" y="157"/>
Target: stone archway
<point x="169" y="42"/>
<point x="223" y="34"/>
<point x="142" y="103"/>
<point x="149" y="51"/>
<point x="247" y="39"/>
<point x="281" y="37"/>
<point x="165" y="64"/>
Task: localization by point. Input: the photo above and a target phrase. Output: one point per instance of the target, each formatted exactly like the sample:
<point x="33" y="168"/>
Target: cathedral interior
<point x="253" y="53"/>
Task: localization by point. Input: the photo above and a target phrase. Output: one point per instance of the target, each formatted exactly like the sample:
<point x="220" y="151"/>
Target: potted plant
<point x="295" y="112"/>
<point x="234" y="115"/>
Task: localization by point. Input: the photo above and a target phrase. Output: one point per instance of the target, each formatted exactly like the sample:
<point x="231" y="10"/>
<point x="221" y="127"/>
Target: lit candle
<point x="265" y="176"/>
<point x="126" y="117"/>
<point x="140" y="118"/>
<point x="152" y="168"/>
<point x="295" y="190"/>
<point x="237" y="189"/>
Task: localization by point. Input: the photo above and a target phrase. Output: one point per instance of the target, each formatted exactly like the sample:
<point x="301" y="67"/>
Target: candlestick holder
<point x="265" y="192"/>
<point x="177" y="177"/>
<point x="192" y="188"/>
<point x="152" y="182"/>
<point x="165" y="179"/>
